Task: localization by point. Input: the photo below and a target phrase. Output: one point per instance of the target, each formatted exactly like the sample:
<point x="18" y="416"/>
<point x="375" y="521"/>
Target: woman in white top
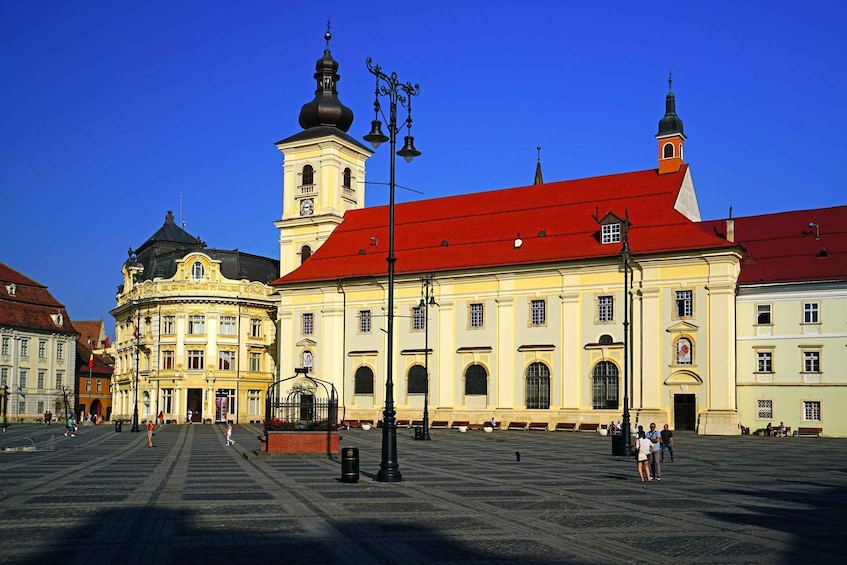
<point x="643" y="447"/>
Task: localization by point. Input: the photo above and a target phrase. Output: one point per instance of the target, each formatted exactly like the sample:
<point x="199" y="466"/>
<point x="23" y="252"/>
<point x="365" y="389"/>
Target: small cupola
<point x="326" y="109"/>
<point x="671" y="135"/>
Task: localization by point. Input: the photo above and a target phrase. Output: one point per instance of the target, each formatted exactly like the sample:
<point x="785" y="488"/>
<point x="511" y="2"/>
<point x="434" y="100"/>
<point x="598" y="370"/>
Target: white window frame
<point x="308" y="323"/>
<point x="364" y="321"/>
<point x="764" y="361"/>
<point x="255" y="361"/>
<point x="537" y="312"/>
<point x="476" y="315"/>
<point x="418" y="319"/>
<point x="610" y="233"/>
<point x="167" y="361"/>
<point x="605" y="309"/>
<point x="683" y="300"/>
<point x="226" y="360"/>
<point x="42" y="349"/>
<point x="811" y="410"/>
<point x="168" y="325"/>
<point x="764" y="310"/>
<point x="811" y="361"/>
<point x="811" y="313"/>
<point x="227" y="325"/>
<point x="196" y="324"/>
<point x="60" y="351"/>
<point x="197" y="271"/>
<point x="255" y="327"/>
<point x="195" y="359"/>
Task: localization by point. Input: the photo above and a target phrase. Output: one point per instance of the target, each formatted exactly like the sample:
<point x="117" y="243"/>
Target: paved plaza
<point x="105" y="497"/>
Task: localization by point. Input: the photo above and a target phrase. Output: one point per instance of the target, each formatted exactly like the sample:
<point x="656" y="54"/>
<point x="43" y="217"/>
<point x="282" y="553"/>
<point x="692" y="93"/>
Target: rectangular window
<point x="60" y="351"/>
<point x="308" y="323"/>
<point x="196" y="325"/>
<point x="168" y="400"/>
<point x="811" y="361"/>
<point x="40" y="406"/>
<point x="42" y="349"/>
<point x="24" y="348"/>
<point x="763" y="314"/>
<point x="42" y="378"/>
<point x="365" y="321"/>
<point x="538" y="313"/>
<point x="195" y="359"/>
<point x="227" y="325"/>
<point x="23" y="376"/>
<point x="4" y="376"/>
<point x="810" y="313"/>
<point x="254" y="399"/>
<point x="418" y="319"/>
<point x="255" y="362"/>
<point x="764" y="409"/>
<point x="476" y="315"/>
<point x="255" y="327"/>
<point x="4" y="348"/>
<point x="684" y="303"/>
<point x="811" y="411"/>
<point x="764" y="362"/>
<point x="22" y="407"/>
<point x="167" y="360"/>
<point x="60" y="379"/>
<point x="611" y="233"/>
<point x="605" y="309"/>
<point x="99" y="385"/>
<point x="168" y="325"/>
<point x="87" y="385"/>
<point x="226" y="360"/>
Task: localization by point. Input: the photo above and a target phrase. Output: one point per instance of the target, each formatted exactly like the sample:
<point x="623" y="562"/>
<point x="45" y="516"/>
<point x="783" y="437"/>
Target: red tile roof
<point x="480" y="228"/>
<point x="31" y="306"/>
<point x="783" y="247"/>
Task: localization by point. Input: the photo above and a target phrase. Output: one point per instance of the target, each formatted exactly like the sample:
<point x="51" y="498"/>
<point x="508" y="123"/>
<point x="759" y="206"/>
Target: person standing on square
<point x="667" y="442"/>
<point x="653" y="457"/>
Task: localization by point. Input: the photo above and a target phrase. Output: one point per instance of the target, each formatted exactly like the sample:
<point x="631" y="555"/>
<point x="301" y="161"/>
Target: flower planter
<point x="304" y="444"/>
<point x="366" y="426"/>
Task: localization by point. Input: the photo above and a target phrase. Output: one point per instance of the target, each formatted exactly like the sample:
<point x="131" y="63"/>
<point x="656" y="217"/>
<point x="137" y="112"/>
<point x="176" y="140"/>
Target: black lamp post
<point x="137" y="355"/>
<point x="626" y="255"/>
<point x="427" y="300"/>
<point x="390" y="86"/>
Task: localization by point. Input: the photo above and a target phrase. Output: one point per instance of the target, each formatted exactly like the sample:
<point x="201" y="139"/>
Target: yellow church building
<point x="526" y="318"/>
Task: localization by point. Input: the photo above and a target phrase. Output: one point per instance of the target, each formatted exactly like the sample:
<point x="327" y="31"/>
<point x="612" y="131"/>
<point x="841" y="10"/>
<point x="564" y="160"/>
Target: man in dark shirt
<point x="667" y="442"/>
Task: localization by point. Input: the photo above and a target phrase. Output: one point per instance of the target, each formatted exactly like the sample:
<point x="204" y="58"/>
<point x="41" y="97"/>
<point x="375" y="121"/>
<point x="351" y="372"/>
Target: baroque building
<point x="37" y="350"/>
<point x="94" y="368"/>
<point x="528" y="288"/>
<point x="195" y="331"/>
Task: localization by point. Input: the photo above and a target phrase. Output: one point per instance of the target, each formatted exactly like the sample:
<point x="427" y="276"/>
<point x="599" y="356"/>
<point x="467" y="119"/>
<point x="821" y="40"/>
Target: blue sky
<point x="115" y="109"/>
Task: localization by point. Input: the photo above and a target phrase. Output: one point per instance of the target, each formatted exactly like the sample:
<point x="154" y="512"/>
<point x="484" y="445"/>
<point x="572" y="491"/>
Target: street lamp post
<point x="427" y="300"/>
<point x="137" y="355"/>
<point x="626" y="255"/>
<point x="390" y="86"/>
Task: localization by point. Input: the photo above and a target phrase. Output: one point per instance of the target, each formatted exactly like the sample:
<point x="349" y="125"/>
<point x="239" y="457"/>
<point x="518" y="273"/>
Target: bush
<point x="278" y="425"/>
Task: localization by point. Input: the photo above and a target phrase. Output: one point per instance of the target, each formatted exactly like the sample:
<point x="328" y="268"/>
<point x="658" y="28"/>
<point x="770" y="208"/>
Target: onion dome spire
<point x="326" y="109"/>
<point x="670" y="123"/>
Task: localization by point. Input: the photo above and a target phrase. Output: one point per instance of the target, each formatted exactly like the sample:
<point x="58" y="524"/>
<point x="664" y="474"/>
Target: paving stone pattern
<point x="105" y="497"/>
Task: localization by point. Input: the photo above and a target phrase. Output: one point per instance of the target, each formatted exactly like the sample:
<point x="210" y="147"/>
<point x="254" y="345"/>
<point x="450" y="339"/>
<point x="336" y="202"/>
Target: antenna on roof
<point x="181" y="220"/>
<point x="730" y="211"/>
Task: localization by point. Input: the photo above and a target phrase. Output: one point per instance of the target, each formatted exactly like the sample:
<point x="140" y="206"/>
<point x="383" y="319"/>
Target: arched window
<point x="364" y="381"/>
<point x="605" y="386"/>
<point x="476" y="380"/>
<point x="417" y="379"/>
<point x="348" y="178"/>
<point x="684" y="352"/>
<point x="305" y="253"/>
<point x="538" y="386"/>
<point x="667" y="151"/>
<point x="308" y="175"/>
<point x="197" y="271"/>
<point x="605" y="339"/>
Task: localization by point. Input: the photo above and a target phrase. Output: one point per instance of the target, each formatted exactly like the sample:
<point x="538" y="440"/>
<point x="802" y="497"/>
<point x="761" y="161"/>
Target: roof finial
<point x="539" y="179"/>
<point x="670" y="81"/>
<point x="328" y="35"/>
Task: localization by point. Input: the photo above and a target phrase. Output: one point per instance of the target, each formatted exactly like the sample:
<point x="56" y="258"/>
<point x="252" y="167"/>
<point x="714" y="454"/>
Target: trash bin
<point x="350" y="465"/>
<point x="618" y="445"/>
<point x="118" y="425"/>
<point x="419" y="432"/>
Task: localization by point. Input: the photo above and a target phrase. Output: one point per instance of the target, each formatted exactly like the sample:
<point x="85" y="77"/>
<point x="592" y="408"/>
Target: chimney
<point x="730" y="230"/>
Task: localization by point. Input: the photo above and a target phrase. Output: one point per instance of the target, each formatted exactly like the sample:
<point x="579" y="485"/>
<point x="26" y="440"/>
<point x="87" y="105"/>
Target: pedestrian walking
<point x="190" y="416"/>
<point x="71" y="430"/>
<point x="161" y="417"/>
<point x="667" y="442"/>
<point x="150" y="428"/>
<point x="229" y="440"/>
<point x="642" y="447"/>
<point x="653" y="457"/>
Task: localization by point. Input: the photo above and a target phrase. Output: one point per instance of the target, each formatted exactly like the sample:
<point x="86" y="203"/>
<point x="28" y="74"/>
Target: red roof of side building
<point x="797" y="246"/>
<point x="27" y="304"/>
<point x="555" y="221"/>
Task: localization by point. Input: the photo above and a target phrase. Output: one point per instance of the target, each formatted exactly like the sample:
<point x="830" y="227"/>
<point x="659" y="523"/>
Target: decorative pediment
<point x="683" y="327"/>
<point x="684" y="378"/>
<point x="306" y="343"/>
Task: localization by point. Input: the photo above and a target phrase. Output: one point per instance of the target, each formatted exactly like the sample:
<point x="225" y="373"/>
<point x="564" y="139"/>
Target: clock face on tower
<point x="307" y="206"/>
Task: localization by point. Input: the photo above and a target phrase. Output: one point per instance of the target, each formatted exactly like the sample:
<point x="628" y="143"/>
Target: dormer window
<point x="610" y="233"/>
<point x="197" y="271"/>
<point x="11" y="288"/>
<point x="308" y="175"/>
<point x="58" y="319"/>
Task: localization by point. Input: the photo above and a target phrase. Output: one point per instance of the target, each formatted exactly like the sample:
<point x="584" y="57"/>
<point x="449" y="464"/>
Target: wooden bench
<point x="587" y="427"/>
<point x="439" y="424"/>
<point x="456" y="423"/>
<point x="516" y="426"/>
<point x="816" y="432"/>
<point x="403" y="423"/>
<point x="539" y="426"/>
<point x="566" y="426"/>
<point x="417" y="423"/>
<point x="475" y="426"/>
